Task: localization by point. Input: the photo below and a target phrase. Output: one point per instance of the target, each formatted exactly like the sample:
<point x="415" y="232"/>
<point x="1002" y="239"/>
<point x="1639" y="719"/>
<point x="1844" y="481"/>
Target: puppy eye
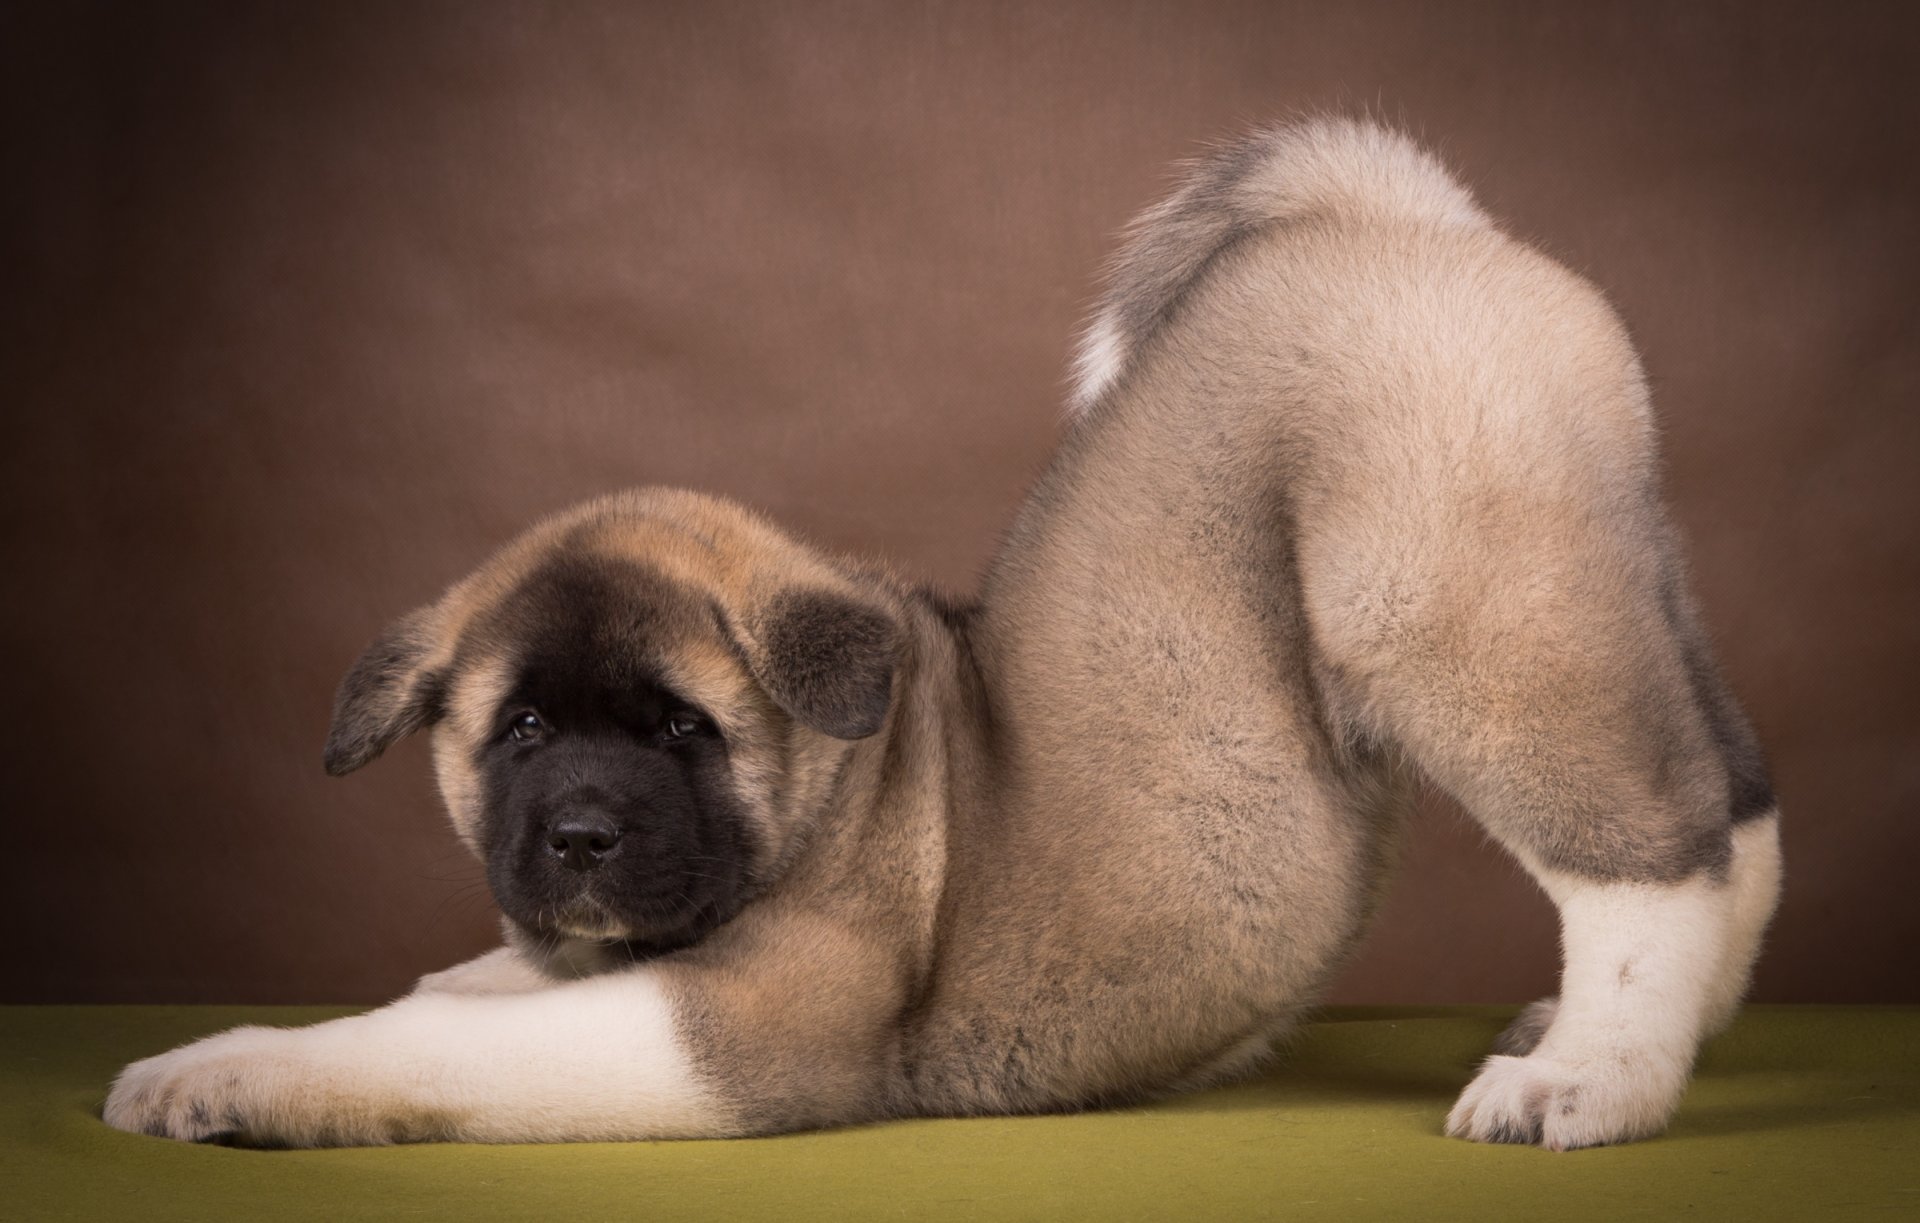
<point x="527" y="727"/>
<point x="680" y="725"/>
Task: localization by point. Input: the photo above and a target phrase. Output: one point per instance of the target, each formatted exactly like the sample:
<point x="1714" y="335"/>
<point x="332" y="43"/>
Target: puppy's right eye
<point x="527" y="727"/>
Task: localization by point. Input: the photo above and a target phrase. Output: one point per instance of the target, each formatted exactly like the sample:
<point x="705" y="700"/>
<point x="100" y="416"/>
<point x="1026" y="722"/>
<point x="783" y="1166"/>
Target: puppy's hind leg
<point x="1754" y="872"/>
<point x="1614" y="1059"/>
<point x="1755" y="879"/>
<point x="1535" y="673"/>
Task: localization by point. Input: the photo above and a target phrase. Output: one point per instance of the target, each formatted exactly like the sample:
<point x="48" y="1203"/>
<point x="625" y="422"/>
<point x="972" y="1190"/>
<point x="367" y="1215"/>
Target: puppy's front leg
<point x="596" y="1059"/>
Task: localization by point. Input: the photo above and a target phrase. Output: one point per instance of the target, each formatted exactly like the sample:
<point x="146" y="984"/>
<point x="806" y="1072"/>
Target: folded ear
<point x="389" y="693"/>
<point x="827" y="659"/>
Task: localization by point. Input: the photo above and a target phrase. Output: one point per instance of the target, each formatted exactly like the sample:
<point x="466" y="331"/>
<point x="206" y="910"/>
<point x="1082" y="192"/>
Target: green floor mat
<point x="1804" y="1113"/>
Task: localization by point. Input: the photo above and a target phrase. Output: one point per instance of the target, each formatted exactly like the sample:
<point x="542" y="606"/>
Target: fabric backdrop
<point x="307" y="306"/>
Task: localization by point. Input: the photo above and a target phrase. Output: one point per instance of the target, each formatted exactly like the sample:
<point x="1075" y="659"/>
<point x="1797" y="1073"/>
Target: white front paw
<point x="207" y="1090"/>
<point x="250" y="1086"/>
<point x="1563" y="1103"/>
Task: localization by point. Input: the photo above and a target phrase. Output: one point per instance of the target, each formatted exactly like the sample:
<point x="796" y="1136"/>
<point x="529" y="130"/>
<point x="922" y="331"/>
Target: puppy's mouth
<point x="637" y="927"/>
<point x="590" y="920"/>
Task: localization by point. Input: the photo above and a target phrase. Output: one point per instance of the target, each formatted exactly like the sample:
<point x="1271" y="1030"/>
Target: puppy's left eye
<point x="680" y="725"/>
<point x="527" y="727"/>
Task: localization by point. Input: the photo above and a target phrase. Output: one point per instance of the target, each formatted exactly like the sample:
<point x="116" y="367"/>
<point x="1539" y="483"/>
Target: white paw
<point x="1563" y="1103"/>
<point x="250" y="1086"/>
<point x="199" y="1092"/>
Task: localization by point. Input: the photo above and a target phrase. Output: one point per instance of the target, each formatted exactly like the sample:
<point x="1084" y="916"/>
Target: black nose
<point x="582" y="843"/>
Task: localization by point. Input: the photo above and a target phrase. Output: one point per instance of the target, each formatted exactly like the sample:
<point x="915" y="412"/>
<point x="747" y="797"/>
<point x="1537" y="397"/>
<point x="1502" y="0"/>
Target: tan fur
<point x="1358" y="487"/>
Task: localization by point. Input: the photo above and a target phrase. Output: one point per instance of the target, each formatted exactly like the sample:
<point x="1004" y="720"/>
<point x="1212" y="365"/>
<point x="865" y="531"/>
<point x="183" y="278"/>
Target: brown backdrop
<point x="309" y="305"/>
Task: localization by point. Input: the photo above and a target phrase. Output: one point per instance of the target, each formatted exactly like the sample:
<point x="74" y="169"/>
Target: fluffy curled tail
<point x="1316" y="167"/>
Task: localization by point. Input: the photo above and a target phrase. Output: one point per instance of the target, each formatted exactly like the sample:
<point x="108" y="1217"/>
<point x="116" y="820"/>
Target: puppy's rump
<point x="1433" y="451"/>
<point x="1292" y="172"/>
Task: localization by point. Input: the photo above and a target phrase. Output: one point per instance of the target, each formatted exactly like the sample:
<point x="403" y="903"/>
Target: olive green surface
<point x="1799" y="1113"/>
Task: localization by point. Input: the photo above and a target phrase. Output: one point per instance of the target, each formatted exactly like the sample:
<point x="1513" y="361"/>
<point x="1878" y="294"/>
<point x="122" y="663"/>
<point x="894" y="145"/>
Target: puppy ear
<point x="389" y="693"/>
<point x="827" y="660"/>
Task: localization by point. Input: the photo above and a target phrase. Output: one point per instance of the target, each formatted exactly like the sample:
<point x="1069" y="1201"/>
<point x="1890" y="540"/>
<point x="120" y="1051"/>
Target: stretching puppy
<point x="1356" y="487"/>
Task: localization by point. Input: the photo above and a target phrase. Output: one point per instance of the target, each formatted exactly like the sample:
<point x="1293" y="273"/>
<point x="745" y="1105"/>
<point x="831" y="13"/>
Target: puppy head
<point x="637" y="709"/>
